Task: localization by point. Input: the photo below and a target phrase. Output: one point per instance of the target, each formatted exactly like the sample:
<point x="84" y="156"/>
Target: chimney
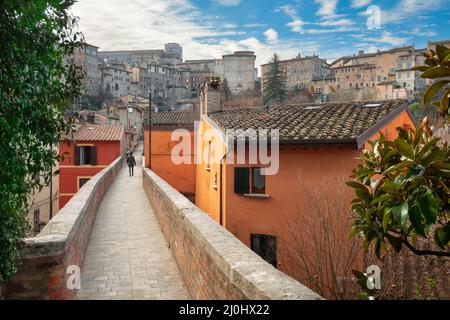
<point x="210" y="95"/>
<point x="361" y="52"/>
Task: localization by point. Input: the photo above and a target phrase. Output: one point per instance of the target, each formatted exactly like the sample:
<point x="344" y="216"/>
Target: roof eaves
<point x="363" y="137"/>
<point x="219" y="129"/>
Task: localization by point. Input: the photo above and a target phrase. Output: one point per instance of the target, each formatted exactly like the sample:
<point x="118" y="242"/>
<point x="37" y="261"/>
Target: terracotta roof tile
<point x="99" y="133"/>
<point x="179" y="118"/>
<point x="329" y="121"/>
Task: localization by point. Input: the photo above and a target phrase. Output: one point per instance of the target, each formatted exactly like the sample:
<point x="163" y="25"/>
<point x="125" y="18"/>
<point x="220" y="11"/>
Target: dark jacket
<point x="131" y="161"/>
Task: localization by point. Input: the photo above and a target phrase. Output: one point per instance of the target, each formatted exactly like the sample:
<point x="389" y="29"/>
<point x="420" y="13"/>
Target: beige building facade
<point x="374" y="76"/>
<point x="301" y="72"/>
<point x="240" y="72"/>
<point x="87" y="59"/>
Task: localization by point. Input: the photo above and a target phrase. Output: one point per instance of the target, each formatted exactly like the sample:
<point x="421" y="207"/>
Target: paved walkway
<point x="127" y="255"/>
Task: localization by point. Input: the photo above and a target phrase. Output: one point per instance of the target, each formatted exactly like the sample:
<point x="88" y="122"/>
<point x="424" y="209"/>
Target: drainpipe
<point x="221" y="191"/>
<point x="51" y="192"/>
<point x="150" y="130"/>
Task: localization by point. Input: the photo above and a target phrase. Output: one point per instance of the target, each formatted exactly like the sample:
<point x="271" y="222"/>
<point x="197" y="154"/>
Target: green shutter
<point x="77" y="156"/>
<point x="241" y="180"/>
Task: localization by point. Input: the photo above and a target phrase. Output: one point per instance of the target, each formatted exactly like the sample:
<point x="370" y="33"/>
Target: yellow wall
<point x="207" y="193"/>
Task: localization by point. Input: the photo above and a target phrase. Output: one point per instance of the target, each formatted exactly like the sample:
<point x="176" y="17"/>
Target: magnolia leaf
<point x="442" y="237"/>
<point x="437" y="72"/>
<point x="415" y="216"/>
<point x="396" y="242"/>
<point x="401" y="214"/>
<point x="420" y="68"/>
<point x="433" y="89"/>
<point x="405" y="148"/>
<point x="442" y="51"/>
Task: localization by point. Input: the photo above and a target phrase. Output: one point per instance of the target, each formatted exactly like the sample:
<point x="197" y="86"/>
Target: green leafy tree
<point x="275" y="82"/>
<point x="36" y="84"/>
<point x="403" y="186"/>
<point x="225" y="90"/>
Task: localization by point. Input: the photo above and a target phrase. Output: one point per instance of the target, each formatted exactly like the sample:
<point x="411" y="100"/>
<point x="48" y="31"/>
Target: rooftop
<point x="99" y="133"/>
<point x="327" y="123"/>
<point x="178" y="118"/>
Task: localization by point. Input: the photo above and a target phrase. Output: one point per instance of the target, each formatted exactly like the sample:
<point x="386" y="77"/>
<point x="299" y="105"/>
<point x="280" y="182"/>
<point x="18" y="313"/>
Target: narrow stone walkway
<point x="127" y="255"/>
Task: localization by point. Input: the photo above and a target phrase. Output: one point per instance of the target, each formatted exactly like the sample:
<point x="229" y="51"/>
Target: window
<point x="36" y="216"/>
<point x="82" y="182"/>
<point x="265" y="246"/>
<point x="208" y="163"/>
<point x="85" y="155"/>
<point x="249" y="181"/>
<point x="258" y="181"/>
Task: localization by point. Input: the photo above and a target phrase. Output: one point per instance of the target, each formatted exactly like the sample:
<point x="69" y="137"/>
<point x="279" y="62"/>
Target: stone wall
<point x="62" y="242"/>
<point x="213" y="263"/>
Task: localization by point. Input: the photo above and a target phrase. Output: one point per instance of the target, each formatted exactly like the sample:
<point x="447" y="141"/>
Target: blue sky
<point x="210" y="28"/>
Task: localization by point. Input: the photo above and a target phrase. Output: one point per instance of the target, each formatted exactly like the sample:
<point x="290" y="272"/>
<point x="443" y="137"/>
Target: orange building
<point x="92" y="148"/>
<point x="318" y="148"/>
<point x="163" y="139"/>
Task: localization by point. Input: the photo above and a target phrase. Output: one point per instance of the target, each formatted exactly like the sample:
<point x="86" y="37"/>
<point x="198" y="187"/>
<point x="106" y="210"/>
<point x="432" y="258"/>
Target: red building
<point x="92" y="148"/>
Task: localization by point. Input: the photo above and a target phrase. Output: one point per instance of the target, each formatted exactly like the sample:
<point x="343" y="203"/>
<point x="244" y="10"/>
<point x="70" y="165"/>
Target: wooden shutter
<point x="77" y="156"/>
<point x="241" y="180"/>
<point x="93" y="156"/>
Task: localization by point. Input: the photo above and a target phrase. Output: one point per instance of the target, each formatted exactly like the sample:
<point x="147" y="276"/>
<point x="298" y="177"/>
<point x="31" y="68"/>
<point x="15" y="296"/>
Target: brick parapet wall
<point x="213" y="263"/>
<point x="62" y="242"/>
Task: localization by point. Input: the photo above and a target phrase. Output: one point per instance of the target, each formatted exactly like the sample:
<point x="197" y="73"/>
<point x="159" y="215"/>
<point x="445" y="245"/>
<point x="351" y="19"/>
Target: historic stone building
<point x="87" y="59"/>
<point x="240" y="72"/>
<point x="172" y="54"/>
<point x="301" y="71"/>
<point x="374" y="76"/>
<point x="116" y="79"/>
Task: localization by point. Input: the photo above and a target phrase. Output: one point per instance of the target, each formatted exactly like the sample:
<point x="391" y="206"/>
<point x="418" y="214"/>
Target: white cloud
<point x="387" y="37"/>
<point x="327" y="8"/>
<point x="408" y="8"/>
<point x="287" y="10"/>
<point x="228" y="3"/>
<point x="360" y="3"/>
<point x="254" y="25"/>
<point x="337" y="22"/>
<point x="329" y="19"/>
<point x="296" y="25"/>
<point x="271" y="35"/>
<point x="143" y="24"/>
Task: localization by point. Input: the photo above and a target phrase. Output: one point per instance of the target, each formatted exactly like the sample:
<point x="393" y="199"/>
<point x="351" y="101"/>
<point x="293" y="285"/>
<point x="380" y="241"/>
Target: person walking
<point x="131" y="161"/>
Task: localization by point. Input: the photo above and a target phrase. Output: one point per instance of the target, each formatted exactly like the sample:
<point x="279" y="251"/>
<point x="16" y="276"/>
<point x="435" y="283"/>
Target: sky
<point x="211" y="28"/>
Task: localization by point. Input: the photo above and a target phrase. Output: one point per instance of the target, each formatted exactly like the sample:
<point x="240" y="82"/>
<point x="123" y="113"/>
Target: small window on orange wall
<point x="258" y="181"/>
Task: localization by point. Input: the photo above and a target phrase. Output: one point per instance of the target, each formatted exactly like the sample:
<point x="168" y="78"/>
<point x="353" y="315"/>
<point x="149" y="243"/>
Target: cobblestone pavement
<point x="127" y="255"/>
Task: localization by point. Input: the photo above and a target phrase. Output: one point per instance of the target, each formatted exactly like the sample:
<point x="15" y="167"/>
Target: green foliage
<point x="362" y="279"/>
<point x="36" y="84"/>
<point x="402" y="192"/>
<point x="437" y="66"/>
<point x="275" y="82"/>
<point x="225" y="91"/>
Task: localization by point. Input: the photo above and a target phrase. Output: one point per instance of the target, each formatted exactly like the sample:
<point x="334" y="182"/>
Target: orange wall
<point x="390" y="130"/>
<point x="107" y="152"/>
<point x="301" y="168"/>
<point x="179" y="176"/>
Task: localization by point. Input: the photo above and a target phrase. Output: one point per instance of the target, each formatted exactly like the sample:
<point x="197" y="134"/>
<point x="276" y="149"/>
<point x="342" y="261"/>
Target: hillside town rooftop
<point x="92" y="132"/>
<point x="328" y="123"/>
